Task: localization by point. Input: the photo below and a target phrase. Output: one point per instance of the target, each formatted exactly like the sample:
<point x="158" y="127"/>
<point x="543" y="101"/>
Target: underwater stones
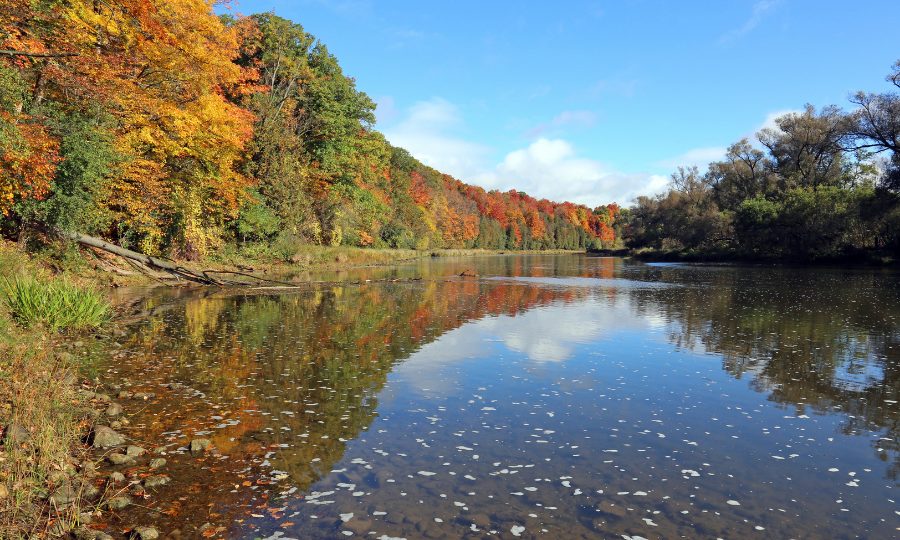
<point x="156" y="481"/>
<point x="395" y="518"/>
<point x="116" y="478"/>
<point x="157" y="463"/>
<point x="199" y="445"/>
<point x="117" y="503"/>
<point x="105" y="436"/>
<point x="119" y="459"/>
<point x="114" y="410"/>
<point x="135" y="451"/>
<point x="358" y="526"/>
<point x="144" y="533"/>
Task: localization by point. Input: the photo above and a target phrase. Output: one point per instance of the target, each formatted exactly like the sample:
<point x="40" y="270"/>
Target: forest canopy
<point x="823" y="184"/>
<point x="164" y="127"/>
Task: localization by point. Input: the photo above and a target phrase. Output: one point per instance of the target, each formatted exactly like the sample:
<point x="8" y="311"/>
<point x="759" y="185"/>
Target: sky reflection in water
<point x="551" y="397"/>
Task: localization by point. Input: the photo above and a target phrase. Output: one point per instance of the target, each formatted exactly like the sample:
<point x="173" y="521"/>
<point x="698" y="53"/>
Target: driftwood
<point x="158" y="268"/>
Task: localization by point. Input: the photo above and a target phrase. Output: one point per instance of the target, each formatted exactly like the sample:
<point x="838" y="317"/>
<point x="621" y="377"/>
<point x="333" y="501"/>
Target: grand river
<point x="553" y="397"/>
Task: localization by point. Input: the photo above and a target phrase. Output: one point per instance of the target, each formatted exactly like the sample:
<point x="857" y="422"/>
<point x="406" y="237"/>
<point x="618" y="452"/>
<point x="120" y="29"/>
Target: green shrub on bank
<point x="56" y="304"/>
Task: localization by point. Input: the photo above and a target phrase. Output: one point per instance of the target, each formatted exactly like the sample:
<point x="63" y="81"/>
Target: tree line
<point x="166" y="128"/>
<point x="823" y="184"/>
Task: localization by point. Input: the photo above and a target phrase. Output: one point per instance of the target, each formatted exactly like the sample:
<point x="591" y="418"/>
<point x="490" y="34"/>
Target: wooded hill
<point x="165" y="128"/>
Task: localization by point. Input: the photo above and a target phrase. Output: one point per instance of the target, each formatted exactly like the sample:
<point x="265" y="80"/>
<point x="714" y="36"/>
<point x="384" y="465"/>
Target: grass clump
<point x="38" y="393"/>
<point x="57" y="304"/>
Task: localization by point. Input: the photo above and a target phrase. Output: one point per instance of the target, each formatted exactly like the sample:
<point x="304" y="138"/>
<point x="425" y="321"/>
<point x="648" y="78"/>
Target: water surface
<point x="556" y="396"/>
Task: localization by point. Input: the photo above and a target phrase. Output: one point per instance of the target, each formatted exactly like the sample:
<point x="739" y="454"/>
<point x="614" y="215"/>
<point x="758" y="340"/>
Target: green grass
<point x="57" y="304"/>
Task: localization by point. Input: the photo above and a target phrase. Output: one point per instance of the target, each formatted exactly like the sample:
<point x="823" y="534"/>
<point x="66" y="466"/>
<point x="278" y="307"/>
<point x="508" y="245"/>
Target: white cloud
<point x="551" y="169"/>
<point x="769" y="122"/>
<point x="429" y="133"/>
<point x="581" y="119"/>
<point x="759" y="11"/>
<point x="547" y="168"/>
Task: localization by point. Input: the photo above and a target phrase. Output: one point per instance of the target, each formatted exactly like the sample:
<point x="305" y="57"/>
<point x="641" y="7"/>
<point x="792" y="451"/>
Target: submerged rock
<point x="199" y="445"/>
<point x="117" y="503"/>
<point x="135" y="451"/>
<point x="116" y="478"/>
<point x="114" y="410"/>
<point x="156" y="481"/>
<point x="157" y="463"/>
<point x="104" y="437"/>
<point x="145" y="533"/>
<point x="86" y="533"/>
<point x="119" y="459"/>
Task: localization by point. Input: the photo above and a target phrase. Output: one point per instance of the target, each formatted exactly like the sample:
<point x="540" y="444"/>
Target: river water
<point x="557" y="397"/>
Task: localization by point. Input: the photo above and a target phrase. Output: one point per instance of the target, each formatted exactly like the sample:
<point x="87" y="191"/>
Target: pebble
<point x="199" y="445"/>
<point x="135" y="451"/>
<point x="145" y="533"/>
<point x="63" y="496"/>
<point x="117" y="503"/>
<point x="114" y="410"/>
<point x="156" y="481"/>
<point x="157" y="463"/>
<point x="105" y="436"/>
<point x="4" y="492"/>
<point x="119" y="459"/>
<point x="116" y="478"/>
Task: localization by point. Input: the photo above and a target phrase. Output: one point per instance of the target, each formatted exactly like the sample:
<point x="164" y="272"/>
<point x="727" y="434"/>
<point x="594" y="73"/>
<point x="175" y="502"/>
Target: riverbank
<point x="50" y="400"/>
<point x="278" y="262"/>
<point x="46" y="340"/>
<point x="862" y="258"/>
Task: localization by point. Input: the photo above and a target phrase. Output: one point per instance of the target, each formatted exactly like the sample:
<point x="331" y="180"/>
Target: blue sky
<point x="593" y="102"/>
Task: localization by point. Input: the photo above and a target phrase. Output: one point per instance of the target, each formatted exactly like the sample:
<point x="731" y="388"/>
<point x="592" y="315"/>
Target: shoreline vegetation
<point x="53" y="320"/>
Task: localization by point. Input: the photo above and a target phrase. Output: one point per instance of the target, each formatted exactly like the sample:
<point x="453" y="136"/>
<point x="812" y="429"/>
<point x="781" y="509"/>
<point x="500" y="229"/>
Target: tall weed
<point x="57" y="304"/>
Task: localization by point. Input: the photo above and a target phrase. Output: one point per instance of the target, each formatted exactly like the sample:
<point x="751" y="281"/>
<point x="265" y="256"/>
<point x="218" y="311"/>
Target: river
<point x="546" y="396"/>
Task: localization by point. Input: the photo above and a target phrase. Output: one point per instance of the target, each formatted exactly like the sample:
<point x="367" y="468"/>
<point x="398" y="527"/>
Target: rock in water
<point x="157" y="463"/>
<point x="135" y="451"/>
<point x="114" y="410"/>
<point x="155" y="481"/>
<point x="16" y="434"/>
<point x="145" y="533"/>
<point x="116" y="478"/>
<point x="118" y="503"/>
<point x="104" y="437"/>
<point x="199" y="445"/>
<point x="119" y="459"/>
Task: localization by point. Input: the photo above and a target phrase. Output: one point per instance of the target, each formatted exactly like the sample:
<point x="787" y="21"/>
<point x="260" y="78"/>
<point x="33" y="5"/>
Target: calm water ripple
<point x="557" y="396"/>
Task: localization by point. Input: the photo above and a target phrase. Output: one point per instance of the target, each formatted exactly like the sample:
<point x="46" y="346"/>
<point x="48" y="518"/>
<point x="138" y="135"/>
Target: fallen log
<point x="154" y="263"/>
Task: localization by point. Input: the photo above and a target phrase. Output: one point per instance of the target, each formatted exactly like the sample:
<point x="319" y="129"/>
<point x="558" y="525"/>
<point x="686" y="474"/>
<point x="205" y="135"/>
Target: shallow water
<point x="557" y="396"/>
